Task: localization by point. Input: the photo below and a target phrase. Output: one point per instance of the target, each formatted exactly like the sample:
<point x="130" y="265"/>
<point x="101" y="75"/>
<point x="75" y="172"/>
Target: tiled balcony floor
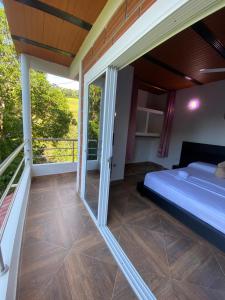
<point x="175" y="262"/>
<point x="63" y="255"/>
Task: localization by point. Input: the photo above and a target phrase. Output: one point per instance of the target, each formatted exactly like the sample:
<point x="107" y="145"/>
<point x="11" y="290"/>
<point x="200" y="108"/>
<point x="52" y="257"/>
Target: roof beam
<point x="57" y="13"/>
<point x="209" y="37"/>
<point x="40" y="45"/>
<point x="170" y="68"/>
<point x="154" y="87"/>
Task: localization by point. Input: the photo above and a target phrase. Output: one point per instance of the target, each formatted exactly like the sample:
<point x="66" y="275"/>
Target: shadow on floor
<point x="63" y="255"/>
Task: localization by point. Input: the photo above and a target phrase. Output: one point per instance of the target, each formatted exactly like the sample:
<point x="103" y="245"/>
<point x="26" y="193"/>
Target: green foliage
<point x="51" y="116"/>
<point x="95" y="95"/>
<point x="70" y="93"/>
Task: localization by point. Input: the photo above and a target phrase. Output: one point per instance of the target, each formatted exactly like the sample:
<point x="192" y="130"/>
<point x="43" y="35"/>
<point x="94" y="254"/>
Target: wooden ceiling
<point x="184" y="55"/>
<point x="42" y="34"/>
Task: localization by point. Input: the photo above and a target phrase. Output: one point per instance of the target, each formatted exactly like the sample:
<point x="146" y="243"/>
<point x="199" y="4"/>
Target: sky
<point x="63" y="82"/>
<point x="1" y="4"/>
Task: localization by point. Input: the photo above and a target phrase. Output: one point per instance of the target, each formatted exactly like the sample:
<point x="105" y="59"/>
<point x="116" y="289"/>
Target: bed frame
<point x="191" y="152"/>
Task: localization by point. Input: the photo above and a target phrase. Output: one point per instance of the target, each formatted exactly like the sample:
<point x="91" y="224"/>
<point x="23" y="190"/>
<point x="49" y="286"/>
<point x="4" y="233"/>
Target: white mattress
<point x="196" y="190"/>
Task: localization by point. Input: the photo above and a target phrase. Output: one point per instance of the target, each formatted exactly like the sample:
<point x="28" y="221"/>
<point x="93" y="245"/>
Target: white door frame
<point x="107" y="135"/>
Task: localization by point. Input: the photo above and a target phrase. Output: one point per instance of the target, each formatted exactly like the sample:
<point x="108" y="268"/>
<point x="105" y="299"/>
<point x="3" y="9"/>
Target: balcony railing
<point x="44" y="150"/>
<point x="10" y="192"/>
<point x="51" y="150"/>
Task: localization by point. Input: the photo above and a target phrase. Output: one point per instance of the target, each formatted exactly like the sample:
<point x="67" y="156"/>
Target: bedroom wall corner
<point x="203" y="125"/>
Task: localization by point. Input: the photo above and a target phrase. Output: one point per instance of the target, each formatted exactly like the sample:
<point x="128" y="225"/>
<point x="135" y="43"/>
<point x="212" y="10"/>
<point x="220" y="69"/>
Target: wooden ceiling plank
<point x="43" y="54"/>
<point x="87" y="10"/>
<point x="159" y="76"/>
<point x="40" y="45"/>
<point x="208" y="36"/>
<point x="189" y="53"/>
<point x="34" y="24"/>
<point x="15" y="16"/>
<point x="52" y="31"/>
<point x="41" y="27"/>
<point x="170" y="68"/>
<point x="216" y="23"/>
<point x="44" y="7"/>
<point x="71" y="38"/>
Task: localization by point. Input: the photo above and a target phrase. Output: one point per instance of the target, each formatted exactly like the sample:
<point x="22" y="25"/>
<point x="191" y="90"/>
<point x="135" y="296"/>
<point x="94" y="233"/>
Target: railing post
<point x="3" y="268"/>
<point x="73" y="150"/>
<point x="26" y="105"/>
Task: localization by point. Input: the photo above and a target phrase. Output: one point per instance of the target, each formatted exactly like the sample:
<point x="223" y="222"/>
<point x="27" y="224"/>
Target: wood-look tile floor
<point x="63" y="255"/>
<point x="173" y="260"/>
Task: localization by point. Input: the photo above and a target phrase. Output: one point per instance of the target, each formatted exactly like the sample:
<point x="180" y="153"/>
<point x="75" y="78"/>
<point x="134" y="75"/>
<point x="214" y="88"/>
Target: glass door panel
<point x="96" y="95"/>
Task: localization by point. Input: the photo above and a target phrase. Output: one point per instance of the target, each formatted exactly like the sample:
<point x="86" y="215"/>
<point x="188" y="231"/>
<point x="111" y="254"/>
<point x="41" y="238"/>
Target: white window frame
<point x="107" y="135"/>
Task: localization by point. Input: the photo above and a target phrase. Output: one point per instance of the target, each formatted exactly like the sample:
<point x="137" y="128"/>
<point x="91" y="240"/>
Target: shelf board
<point x="150" y="134"/>
<point x="151" y="111"/>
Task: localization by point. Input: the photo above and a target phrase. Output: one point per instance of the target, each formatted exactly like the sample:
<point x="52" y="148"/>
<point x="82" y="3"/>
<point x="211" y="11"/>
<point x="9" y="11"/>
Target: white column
<point x="79" y="127"/>
<point x="26" y="106"/>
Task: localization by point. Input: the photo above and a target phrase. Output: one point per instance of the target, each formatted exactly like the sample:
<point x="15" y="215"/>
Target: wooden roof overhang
<point x="52" y="30"/>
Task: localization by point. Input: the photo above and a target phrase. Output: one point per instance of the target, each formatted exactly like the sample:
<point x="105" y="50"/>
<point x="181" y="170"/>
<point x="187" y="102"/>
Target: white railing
<point x="11" y="185"/>
<point x="55" y="152"/>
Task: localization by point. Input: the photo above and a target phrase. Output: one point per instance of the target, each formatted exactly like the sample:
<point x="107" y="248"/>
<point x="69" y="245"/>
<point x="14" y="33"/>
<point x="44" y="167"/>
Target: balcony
<point x="63" y="253"/>
<point x="59" y="236"/>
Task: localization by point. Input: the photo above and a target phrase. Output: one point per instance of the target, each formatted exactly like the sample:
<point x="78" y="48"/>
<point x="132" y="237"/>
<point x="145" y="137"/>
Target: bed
<point x="191" y="192"/>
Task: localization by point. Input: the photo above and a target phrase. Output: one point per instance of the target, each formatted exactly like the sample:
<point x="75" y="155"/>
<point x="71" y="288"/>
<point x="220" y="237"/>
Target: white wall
<point x="123" y="102"/>
<point x="205" y="125"/>
<point x="143" y="145"/>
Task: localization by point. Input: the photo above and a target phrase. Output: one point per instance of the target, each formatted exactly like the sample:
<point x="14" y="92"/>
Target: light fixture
<point x="193" y="104"/>
<point x="187" y="77"/>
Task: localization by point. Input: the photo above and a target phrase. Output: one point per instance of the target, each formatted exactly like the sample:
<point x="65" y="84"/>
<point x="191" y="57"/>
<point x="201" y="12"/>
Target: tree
<point x="50" y="112"/>
<point x="70" y="93"/>
<point x="95" y="95"/>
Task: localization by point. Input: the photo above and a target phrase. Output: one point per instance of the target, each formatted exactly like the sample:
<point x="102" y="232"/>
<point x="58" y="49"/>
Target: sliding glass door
<point x="99" y="107"/>
<point x="96" y="93"/>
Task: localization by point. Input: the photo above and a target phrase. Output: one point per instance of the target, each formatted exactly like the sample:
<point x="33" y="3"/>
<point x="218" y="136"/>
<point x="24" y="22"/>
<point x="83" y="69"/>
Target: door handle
<point x="110" y="161"/>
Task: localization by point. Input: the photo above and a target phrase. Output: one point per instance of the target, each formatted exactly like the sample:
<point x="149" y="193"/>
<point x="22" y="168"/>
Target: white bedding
<point x="198" y="191"/>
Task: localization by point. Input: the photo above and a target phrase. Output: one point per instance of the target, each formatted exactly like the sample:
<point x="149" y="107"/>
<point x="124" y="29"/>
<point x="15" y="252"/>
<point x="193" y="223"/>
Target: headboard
<point x="192" y="152"/>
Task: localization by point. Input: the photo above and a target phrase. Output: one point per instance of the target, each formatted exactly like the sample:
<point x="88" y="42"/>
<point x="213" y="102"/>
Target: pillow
<point x="202" y="166"/>
<point x="220" y="170"/>
<point x="183" y="174"/>
<point x="222" y="164"/>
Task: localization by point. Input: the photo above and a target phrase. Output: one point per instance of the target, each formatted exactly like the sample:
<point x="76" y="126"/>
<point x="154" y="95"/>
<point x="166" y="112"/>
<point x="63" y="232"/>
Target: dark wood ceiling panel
<point x="43" y="54"/>
<point x="216" y="23"/>
<point x="158" y="76"/>
<point x="188" y="53"/>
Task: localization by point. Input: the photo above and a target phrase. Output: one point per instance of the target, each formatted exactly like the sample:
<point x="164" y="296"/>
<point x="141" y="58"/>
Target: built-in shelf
<point x="149" y="122"/>
<point x="150" y="110"/>
<point x="149" y="134"/>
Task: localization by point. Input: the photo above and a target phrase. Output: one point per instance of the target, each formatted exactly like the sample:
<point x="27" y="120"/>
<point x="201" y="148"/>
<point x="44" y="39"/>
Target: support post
<point x="26" y="105"/>
<point x="80" y="131"/>
<point x="73" y="150"/>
